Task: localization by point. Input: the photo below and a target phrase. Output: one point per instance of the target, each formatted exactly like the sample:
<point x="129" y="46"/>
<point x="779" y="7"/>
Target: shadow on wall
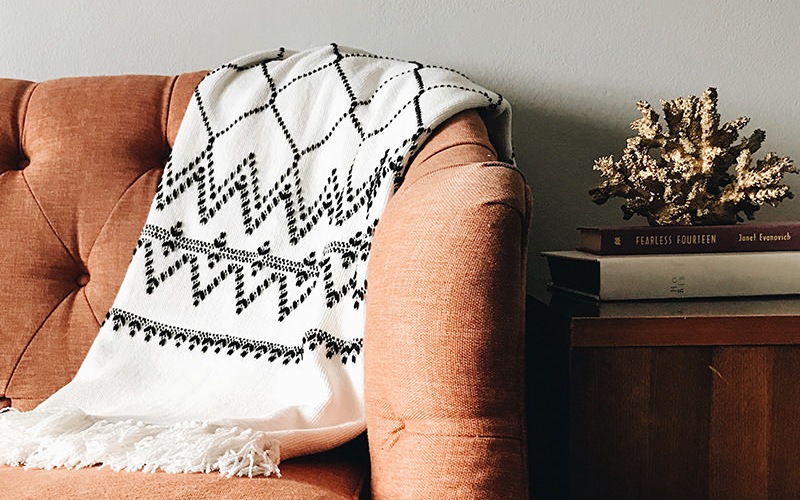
<point x="556" y="151"/>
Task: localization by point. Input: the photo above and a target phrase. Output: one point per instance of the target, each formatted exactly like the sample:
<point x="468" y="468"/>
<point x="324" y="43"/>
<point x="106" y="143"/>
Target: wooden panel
<point x="639" y="423"/>
<point x="680" y="407"/>
<point x="609" y="405"/>
<point x="716" y="416"/>
<point x="739" y="428"/>
<point x="784" y="437"/>
<point x="689" y="331"/>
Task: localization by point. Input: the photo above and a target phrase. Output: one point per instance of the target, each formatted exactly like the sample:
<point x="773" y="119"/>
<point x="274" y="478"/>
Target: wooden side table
<point x="674" y="400"/>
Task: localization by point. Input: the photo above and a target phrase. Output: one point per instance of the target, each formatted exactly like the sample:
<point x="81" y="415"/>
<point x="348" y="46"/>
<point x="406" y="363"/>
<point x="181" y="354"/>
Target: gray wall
<point x="573" y="70"/>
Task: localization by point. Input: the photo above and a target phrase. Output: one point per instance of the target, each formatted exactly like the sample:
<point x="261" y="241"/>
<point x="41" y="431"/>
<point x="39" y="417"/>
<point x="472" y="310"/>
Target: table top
<point x="728" y="321"/>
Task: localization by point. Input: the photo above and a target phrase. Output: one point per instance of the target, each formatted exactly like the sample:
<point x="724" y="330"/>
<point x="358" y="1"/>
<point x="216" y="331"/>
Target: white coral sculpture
<point x="689" y="181"/>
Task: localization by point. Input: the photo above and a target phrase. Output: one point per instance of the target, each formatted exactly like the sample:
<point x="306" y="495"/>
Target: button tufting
<point x="82" y="279"/>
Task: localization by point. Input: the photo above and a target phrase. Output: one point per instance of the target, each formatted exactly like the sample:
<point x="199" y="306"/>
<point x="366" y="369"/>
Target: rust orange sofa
<point x="79" y="162"/>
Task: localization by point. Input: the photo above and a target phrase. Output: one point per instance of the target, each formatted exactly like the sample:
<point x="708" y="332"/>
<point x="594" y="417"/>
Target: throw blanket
<point x="236" y="336"/>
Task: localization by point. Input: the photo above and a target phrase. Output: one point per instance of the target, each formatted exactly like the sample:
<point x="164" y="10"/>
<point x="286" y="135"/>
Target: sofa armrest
<point x="444" y="356"/>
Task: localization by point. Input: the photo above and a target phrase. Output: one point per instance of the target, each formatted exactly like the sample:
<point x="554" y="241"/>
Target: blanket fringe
<point x="72" y="439"/>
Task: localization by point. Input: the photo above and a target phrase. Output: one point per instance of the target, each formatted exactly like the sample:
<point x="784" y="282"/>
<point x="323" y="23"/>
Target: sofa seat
<point x="338" y="474"/>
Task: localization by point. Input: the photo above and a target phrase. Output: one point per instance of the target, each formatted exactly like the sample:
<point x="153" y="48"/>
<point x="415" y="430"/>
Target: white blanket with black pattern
<point x="238" y="329"/>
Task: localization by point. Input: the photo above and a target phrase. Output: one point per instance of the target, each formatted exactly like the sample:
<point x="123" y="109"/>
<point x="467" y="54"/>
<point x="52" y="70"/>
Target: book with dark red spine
<point x="642" y="240"/>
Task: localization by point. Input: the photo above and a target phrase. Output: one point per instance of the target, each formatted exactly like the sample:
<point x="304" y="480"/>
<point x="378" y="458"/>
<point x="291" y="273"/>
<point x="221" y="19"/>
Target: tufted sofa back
<point x="77" y="174"/>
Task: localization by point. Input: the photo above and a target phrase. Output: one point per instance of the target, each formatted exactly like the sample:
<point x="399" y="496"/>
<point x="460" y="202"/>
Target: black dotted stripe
<point x="296" y="280"/>
<point x="165" y="335"/>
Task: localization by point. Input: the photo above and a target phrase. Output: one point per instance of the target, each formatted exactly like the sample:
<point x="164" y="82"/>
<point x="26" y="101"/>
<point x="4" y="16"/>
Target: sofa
<point x="80" y="159"/>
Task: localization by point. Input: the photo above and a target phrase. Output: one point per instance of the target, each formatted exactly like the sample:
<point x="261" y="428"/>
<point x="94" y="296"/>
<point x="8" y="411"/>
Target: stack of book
<point x="645" y="262"/>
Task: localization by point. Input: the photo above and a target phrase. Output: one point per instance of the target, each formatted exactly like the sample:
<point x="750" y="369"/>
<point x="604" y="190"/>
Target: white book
<point x="667" y="276"/>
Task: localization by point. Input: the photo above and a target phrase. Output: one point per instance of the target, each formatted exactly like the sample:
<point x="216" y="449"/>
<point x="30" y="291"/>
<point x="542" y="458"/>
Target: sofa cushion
<point x="340" y="473"/>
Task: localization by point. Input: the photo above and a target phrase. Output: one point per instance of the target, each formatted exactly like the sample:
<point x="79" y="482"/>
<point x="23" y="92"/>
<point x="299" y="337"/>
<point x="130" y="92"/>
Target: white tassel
<point x="72" y="439"/>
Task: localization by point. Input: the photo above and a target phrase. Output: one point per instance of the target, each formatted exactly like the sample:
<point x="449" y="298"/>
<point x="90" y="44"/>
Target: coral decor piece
<point x="689" y="181"/>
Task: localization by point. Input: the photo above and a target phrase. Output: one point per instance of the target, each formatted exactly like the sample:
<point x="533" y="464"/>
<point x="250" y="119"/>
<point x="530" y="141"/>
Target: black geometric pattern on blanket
<point x="260" y="268"/>
<point x="339" y="199"/>
<point x="229" y="344"/>
<point x="171" y="255"/>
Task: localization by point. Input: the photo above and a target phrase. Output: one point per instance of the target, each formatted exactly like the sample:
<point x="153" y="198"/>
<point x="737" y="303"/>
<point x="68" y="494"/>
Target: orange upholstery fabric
<point x="338" y="474"/>
<point x="79" y="163"/>
<point x="444" y="336"/>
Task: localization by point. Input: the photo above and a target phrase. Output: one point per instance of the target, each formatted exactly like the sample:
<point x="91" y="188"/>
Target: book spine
<point x="643" y="240"/>
<point x="699" y="275"/>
